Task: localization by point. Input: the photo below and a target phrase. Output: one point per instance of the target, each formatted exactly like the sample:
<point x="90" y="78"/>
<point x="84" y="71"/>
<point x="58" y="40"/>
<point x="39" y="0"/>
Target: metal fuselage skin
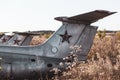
<point x="27" y="62"/>
<point x="24" y="62"/>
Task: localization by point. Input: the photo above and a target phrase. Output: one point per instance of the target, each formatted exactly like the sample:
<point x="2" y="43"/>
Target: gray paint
<point x="23" y="39"/>
<point x="25" y="62"/>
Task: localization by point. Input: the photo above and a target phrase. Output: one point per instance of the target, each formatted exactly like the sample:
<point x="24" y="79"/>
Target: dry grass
<point x="103" y="61"/>
<point x="38" y="40"/>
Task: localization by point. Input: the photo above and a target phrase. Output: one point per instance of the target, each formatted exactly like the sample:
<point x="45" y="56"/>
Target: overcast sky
<point x="30" y="15"/>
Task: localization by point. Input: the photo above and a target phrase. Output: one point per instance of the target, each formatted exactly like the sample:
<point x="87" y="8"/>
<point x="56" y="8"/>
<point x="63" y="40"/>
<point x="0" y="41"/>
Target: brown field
<point x="103" y="60"/>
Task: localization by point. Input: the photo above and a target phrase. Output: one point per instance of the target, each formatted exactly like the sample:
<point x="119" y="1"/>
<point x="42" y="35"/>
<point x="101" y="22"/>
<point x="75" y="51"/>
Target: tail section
<point x="25" y="37"/>
<point x="68" y="35"/>
<point x="18" y="39"/>
<point x="4" y="39"/>
<point x="75" y="30"/>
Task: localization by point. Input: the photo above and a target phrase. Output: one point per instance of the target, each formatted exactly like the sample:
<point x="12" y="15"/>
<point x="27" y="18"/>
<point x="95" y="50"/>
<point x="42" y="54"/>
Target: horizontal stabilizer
<point x="86" y="18"/>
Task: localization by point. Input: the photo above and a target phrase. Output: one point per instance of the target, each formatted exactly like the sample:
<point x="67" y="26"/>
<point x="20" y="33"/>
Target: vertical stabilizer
<point x="75" y="30"/>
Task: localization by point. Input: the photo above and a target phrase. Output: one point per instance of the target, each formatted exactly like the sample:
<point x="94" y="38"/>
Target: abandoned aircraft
<point x="30" y="62"/>
<point x="4" y="38"/>
<point x="18" y="39"/>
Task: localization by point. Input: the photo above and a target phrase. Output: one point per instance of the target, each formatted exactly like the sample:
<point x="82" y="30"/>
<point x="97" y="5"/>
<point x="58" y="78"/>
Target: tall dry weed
<point x="103" y="61"/>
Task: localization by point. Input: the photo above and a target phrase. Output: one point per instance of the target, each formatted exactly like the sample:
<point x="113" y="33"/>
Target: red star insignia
<point x="16" y="41"/>
<point x="65" y="37"/>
